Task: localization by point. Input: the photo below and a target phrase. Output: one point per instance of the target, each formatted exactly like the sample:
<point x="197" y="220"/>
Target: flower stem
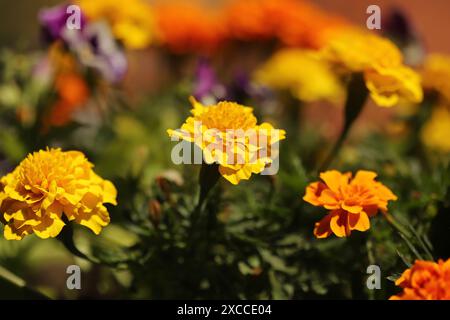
<point x="356" y="97"/>
<point x="209" y="176"/>
<point x="11" y="278"/>
<point x="396" y="225"/>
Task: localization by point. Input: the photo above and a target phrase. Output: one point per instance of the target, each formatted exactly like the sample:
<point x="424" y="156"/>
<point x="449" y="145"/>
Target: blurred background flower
<point x="303" y="73"/>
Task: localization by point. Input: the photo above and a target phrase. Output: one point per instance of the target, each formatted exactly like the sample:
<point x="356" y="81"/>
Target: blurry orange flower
<point x="293" y="22"/>
<point x="351" y="201"/>
<point x="73" y="93"/>
<point x="251" y="20"/>
<point x="189" y="27"/>
<point x="305" y="25"/>
<point x="425" y="280"/>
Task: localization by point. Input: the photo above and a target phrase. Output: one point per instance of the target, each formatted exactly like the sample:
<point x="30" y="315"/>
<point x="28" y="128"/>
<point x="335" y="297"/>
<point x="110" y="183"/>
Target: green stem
<point x="396" y="225"/>
<point x="406" y="236"/>
<point x="16" y="281"/>
<point x="209" y="176"/>
<point x="356" y="97"/>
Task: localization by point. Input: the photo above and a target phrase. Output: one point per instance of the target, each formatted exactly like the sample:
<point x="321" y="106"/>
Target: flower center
<point x="228" y="116"/>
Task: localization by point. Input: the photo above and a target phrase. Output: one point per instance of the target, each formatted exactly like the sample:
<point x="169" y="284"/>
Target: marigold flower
<point x="436" y="130"/>
<point x="387" y="78"/>
<point x="351" y="201"/>
<point x="302" y="24"/>
<point x="425" y="280"/>
<point x="187" y="27"/>
<point x="436" y="75"/>
<point x="228" y="134"/>
<point x="132" y="23"/>
<point x="303" y="73"/>
<point x="292" y="22"/>
<point x="49" y="185"/>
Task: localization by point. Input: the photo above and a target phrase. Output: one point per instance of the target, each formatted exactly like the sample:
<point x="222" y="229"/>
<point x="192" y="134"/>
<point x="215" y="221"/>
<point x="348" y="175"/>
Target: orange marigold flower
<point x="351" y="201"/>
<point x="292" y="22"/>
<point x="425" y="280"/>
<point x="187" y="27"/>
<point x="251" y="20"/>
<point x="306" y="25"/>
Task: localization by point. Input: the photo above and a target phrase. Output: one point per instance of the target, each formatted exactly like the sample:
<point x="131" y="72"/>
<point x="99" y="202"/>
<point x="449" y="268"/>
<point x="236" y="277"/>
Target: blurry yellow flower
<point x="49" y="184"/>
<point x="387" y="78"/>
<point x="303" y="73"/>
<point x="131" y="21"/>
<point x="228" y="134"/>
<point x="436" y="75"/>
<point x="436" y="131"/>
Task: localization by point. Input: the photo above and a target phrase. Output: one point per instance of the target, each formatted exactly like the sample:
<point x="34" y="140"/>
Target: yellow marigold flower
<point x="49" y="184"/>
<point x="303" y="73"/>
<point x="228" y="134"/>
<point x="387" y="78"/>
<point x="131" y="22"/>
<point x="351" y="201"/>
<point x="436" y="131"/>
<point x="425" y="280"/>
<point x="436" y="75"/>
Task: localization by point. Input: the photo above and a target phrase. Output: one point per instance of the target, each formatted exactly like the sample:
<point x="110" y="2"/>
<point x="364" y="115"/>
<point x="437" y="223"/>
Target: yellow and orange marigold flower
<point x="380" y="61"/>
<point x="228" y="135"/>
<point x="131" y="22"/>
<point x="49" y="186"/>
<point x="351" y="201"/>
<point x="303" y="73"/>
<point x="425" y="280"/>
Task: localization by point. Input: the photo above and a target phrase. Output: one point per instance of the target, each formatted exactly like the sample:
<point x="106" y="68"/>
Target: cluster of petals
<point x="228" y="135"/>
<point x="49" y="188"/>
<point x="350" y="201"/>
<point x="425" y="280"/>
<point x="388" y="80"/>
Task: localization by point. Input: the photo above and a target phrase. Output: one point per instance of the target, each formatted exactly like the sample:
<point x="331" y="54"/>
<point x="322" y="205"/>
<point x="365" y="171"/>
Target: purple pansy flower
<point x="54" y="21"/>
<point x="93" y="44"/>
